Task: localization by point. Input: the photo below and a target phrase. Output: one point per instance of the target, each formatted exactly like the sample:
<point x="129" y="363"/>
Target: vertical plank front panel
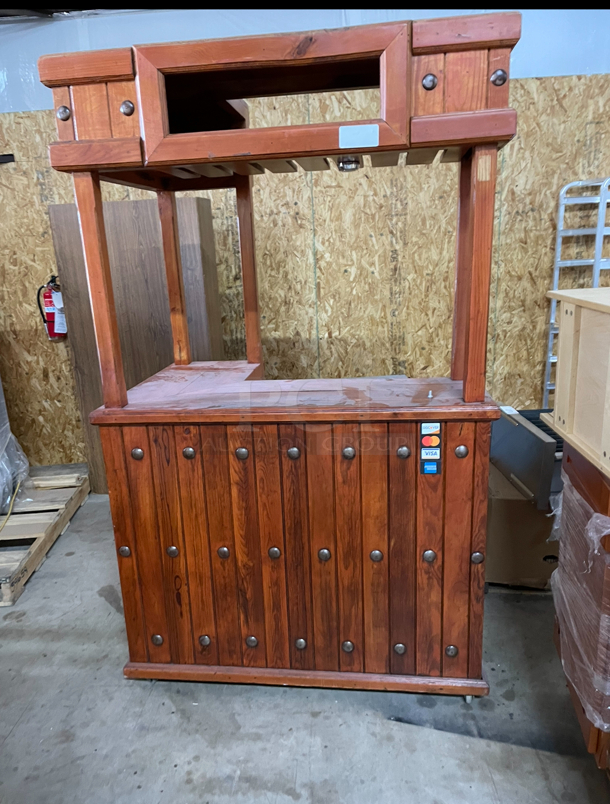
<point x="466" y="81"/>
<point x="374" y="480"/>
<point x="401" y="552"/>
<point x="320" y="484"/>
<point x="271" y="527"/>
<point x="196" y="543"/>
<point x="123" y="125"/>
<point x="220" y="523"/>
<point x="478" y="544"/>
<point x="298" y="563"/>
<point x="499" y="59"/>
<point x="430" y="575"/>
<point x="456" y="557"/>
<point x="428" y="101"/>
<point x="65" y="128"/>
<point x="91" y="113"/>
<point x="169" y="517"/>
<point x="146" y="532"/>
<point x="116" y="472"/>
<point x="349" y="545"/>
<point x="247" y="544"/>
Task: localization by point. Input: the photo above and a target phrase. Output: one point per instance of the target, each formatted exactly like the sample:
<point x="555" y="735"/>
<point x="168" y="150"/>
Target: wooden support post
<point x="475" y="235"/>
<point x="243" y="189"/>
<point x="173" y="271"/>
<point x="93" y="234"/>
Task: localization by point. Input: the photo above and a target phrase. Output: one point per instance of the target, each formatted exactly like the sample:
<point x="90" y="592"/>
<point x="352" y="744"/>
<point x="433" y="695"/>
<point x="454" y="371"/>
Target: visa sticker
<point x="430" y="468"/>
<point x="428" y="454"/>
<point x="428" y="428"/>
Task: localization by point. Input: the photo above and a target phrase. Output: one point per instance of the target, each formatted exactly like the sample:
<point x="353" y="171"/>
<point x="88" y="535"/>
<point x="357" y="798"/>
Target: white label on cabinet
<point x="359" y="136"/>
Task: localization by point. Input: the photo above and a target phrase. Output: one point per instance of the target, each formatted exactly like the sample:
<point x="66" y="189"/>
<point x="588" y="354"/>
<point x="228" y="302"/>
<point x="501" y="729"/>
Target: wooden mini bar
<point x="318" y="532"/>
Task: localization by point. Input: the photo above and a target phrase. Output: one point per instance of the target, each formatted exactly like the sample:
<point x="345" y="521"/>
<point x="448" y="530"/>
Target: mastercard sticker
<point x="430" y="441"/>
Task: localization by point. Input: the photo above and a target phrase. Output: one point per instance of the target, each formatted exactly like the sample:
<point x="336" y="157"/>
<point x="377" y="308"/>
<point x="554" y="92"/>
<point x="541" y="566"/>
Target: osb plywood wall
<point x="355" y="271"/>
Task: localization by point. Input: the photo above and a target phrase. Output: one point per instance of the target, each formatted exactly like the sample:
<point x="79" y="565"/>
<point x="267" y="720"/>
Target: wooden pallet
<point x="36" y="523"/>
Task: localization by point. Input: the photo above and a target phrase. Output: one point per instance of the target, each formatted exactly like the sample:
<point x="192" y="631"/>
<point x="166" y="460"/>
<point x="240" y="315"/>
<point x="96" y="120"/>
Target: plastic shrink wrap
<point x="13" y="463"/>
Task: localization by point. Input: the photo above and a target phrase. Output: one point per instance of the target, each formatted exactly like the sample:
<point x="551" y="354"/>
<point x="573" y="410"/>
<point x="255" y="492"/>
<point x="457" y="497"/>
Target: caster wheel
<point x="468" y="698"/>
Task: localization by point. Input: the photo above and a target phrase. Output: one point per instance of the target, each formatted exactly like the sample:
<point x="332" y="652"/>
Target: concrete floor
<point x="73" y="730"/>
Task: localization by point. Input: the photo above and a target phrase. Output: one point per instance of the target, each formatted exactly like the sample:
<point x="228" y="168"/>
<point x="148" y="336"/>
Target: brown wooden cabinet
<point x="324" y="532"/>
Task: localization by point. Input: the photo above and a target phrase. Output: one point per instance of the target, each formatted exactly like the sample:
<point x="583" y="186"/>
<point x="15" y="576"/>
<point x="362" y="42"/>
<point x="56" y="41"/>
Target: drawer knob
<point x="429" y="81"/>
<point x="251" y="641"/>
<point x="63" y="113"/>
<point x="461" y="451"/>
<point x="403" y="452"/>
<point x="274" y="552"/>
<point x="451" y="651"/>
<point x="349" y="453"/>
<point x="188" y="453"/>
<point x="400" y="649"/>
<point x="127" y="108"/>
<point x="172" y="551"/>
<point x="347" y="646"/>
<point x="124" y="551"/>
<point x="477" y="558"/>
<point x="224" y="552"/>
<point x="324" y="554"/>
<point x="499" y="78"/>
<point x="156" y="639"/>
<point x="376" y="555"/>
<point x="429" y="556"/>
<point x="294" y="453"/>
<point x="300" y="644"/>
<point x="242" y="453"/>
<point x="204" y="640"/>
<point x="137" y="454"/>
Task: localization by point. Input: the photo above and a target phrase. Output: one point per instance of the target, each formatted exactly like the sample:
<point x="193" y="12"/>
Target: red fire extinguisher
<point x="52" y="314"/>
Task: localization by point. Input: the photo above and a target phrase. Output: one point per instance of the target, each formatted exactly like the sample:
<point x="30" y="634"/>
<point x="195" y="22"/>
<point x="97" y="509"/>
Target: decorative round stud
<point x="137" y="454"/>
<point x="63" y="113"/>
<point x="477" y="558"/>
<point x="324" y="554"/>
<point x="403" y="452"/>
<point x="172" y="551"/>
<point x="347" y="164"/>
<point x="451" y="651"/>
<point x="347" y="646"/>
<point x="429" y="556"/>
<point x="429" y="81"/>
<point x="124" y="551"/>
<point x="499" y="78"/>
<point x="461" y="451"/>
<point x="242" y="453"/>
<point x="400" y="649"/>
<point x="300" y="644"/>
<point x="294" y="453"/>
<point x="274" y="552"/>
<point x="349" y="453"/>
<point x="156" y="639"/>
<point x="251" y="641"/>
<point x="204" y="640"/>
<point x="127" y="108"/>
<point x="376" y="555"/>
<point x="223" y="552"/>
<point x="188" y="453"/>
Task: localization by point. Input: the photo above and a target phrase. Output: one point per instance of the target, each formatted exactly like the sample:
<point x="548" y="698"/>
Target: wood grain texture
<point x="499" y="59"/>
<point x="247" y="544"/>
<point x="65" y="128"/>
<point x="424" y="101"/>
<point x="271" y="527"/>
<point x="170" y="237"/>
<point x="94" y="66"/>
<point x="220" y="522"/>
<point x="466" y="81"/>
<point x="375" y="574"/>
<point x="90" y="111"/>
<point x="463" y="270"/>
<point x="478" y="544"/>
<point x="487" y="126"/>
<point x="480" y="31"/>
<point x="95" y="247"/>
<point x="312" y="678"/>
<point x="169" y="518"/>
<point x="321" y="494"/>
<point x="457" y="546"/>
<point x="120" y="507"/>
<point x="196" y="543"/>
<point x="298" y="550"/>
<point x="112" y="153"/>
<point x="430" y="532"/>
<point x="395" y="83"/>
<point x="243" y="192"/>
<point x="143" y="503"/>
<point x="122" y="125"/>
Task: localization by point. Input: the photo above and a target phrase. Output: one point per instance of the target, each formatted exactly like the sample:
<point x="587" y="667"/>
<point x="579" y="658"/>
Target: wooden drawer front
<point x="275" y="528"/>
